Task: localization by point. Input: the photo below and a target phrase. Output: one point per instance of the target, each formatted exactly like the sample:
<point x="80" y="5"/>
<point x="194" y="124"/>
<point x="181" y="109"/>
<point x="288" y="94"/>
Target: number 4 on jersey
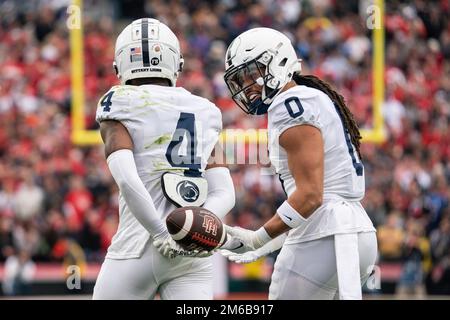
<point x="106" y="101"/>
<point x="188" y="159"/>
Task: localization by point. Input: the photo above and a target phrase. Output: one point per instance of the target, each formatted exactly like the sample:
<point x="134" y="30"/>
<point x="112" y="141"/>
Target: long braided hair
<point x="338" y="100"/>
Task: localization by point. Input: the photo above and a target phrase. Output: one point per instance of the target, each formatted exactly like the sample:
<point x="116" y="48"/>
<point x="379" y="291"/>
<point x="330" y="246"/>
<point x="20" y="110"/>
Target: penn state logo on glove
<point x="183" y="190"/>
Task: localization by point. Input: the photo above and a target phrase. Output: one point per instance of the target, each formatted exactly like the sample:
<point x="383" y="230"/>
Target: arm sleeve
<point x="221" y="197"/>
<point x="123" y="169"/>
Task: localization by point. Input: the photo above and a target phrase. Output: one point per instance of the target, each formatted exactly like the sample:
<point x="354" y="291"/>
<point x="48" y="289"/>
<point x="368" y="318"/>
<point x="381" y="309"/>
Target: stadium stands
<point x="58" y="201"/>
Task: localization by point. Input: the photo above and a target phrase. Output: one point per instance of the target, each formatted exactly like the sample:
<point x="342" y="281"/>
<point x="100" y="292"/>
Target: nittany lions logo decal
<point x="188" y="191"/>
<point x="154" y="61"/>
<point x="210" y="225"/>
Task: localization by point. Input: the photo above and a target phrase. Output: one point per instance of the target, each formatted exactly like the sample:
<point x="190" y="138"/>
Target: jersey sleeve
<point x="294" y="110"/>
<point x="211" y="137"/>
<point x="217" y="119"/>
<point x="113" y="105"/>
<point x="214" y="125"/>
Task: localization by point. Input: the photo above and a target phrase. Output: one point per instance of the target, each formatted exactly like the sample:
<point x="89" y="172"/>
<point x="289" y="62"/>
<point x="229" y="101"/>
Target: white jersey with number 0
<point x="343" y="170"/>
<point x="172" y="130"/>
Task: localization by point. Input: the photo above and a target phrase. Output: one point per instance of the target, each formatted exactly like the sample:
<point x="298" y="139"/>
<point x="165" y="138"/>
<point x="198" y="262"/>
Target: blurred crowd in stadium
<point x="56" y="197"/>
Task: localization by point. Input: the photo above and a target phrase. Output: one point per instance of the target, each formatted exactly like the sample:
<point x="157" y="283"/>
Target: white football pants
<point x="141" y="278"/>
<point x="309" y="270"/>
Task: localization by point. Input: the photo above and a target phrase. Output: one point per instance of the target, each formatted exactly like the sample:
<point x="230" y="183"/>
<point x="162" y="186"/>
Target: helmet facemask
<point x="250" y="78"/>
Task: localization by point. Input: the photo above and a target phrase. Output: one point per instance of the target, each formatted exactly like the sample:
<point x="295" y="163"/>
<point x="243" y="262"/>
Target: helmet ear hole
<point x="181" y="63"/>
<point x="116" y="70"/>
<point x="299" y="65"/>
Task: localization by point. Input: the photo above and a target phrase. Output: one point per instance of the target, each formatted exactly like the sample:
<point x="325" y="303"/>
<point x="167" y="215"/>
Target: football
<point x="195" y="228"/>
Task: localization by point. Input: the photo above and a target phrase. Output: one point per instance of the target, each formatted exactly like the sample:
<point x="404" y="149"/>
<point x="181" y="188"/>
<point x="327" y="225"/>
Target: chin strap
<point x="261" y="105"/>
<point x="261" y="109"/>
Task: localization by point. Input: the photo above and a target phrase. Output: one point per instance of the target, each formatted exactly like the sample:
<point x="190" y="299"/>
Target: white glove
<point x="240" y="240"/>
<point x="170" y="249"/>
<point x="246" y="257"/>
<point x="251" y="256"/>
<point x="234" y="245"/>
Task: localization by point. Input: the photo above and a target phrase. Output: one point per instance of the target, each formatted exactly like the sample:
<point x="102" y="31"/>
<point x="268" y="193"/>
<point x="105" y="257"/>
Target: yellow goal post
<point x="81" y="136"/>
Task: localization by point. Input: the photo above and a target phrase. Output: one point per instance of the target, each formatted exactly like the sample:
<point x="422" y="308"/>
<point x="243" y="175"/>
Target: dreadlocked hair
<point x="339" y="101"/>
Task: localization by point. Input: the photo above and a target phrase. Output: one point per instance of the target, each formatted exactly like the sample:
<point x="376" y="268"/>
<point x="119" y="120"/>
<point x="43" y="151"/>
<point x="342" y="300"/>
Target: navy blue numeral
<point x="282" y="184"/>
<point x="359" y="168"/>
<point x="106" y="101"/>
<point x="185" y="127"/>
<point x="298" y="106"/>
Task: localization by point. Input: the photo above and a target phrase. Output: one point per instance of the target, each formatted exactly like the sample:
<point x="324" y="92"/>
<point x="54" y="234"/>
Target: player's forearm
<point x="306" y="200"/>
<point x="293" y="212"/>
<point x="221" y="197"/>
<point x="274" y="244"/>
<point x="275" y="226"/>
<point x="123" y="169"/>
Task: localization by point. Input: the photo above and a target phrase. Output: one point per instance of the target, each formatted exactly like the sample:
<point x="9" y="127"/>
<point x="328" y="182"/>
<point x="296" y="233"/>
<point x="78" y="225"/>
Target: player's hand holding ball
<point x="194" y="231"/>
<point x="170" y="249"/>
<point x="197" y="232"/>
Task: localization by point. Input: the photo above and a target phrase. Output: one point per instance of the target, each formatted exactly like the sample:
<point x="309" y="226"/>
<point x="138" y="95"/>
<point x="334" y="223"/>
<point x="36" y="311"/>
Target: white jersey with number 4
<point x="172" y="130"/>
<point x="343" y="170"/>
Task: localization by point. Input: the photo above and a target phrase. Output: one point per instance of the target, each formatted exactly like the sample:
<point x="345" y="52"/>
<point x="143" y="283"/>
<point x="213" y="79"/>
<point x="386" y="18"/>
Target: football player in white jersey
<point x="158" y="140"/>
<point x="330" y="248"/>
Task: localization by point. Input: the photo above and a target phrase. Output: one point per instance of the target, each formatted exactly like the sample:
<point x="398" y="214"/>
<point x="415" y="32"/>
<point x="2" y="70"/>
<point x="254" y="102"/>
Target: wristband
<point x="261" y="238"/>
<point x="290" y="216"/>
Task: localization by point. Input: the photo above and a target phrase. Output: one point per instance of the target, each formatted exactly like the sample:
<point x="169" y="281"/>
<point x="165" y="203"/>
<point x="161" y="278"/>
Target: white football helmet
<point x="265" y="56"/>
<point x="147" y="48"/>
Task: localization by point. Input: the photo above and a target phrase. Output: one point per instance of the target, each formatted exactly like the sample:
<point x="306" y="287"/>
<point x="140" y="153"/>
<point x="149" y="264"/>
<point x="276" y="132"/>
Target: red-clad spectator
<point x="408" y="174"/>
<point x="77" y="202"/>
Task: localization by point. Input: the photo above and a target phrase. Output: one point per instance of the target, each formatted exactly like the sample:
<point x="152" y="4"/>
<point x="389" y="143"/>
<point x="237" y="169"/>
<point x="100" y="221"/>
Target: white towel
<point x="347" y="263"/>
